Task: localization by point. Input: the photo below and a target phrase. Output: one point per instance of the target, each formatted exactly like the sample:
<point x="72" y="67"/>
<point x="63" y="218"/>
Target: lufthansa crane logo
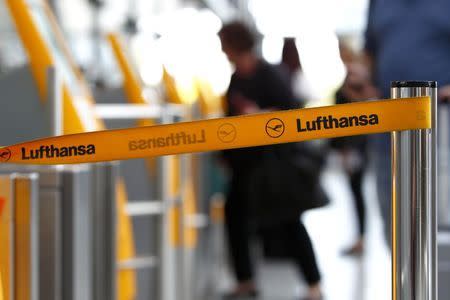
<point x="226" y="133"/>
<point x="275" y="128"/>
<point x="5" y="154"/>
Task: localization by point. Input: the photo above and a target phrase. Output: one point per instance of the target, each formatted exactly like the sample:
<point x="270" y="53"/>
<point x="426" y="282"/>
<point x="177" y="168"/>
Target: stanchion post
<point x="167" y="276"/>
<point x="26" y="236"/>
<point x="54" y="96"/>
<point x="414" y="215"/>
<point x="7" y="236"/>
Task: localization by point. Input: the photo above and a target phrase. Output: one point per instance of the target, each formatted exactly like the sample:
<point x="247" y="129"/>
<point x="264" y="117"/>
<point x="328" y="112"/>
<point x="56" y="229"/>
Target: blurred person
<point x="290" y="63"/>
<point x="404" y="40"/>
<point x="357" y="86"/>
<point x="444" y="94"/>
<point x="290" y="57"/>
<point x="256" y="86"/>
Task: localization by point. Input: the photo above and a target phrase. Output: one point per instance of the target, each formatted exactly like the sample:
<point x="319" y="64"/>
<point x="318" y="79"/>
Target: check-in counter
<point x="62" y="240"/>
<point x="104" y="231"/>
<point x="70" y="242"/>
<point x="6" y="236"/>
<point x="19" y="229"/>
<point x="28" y="94"/>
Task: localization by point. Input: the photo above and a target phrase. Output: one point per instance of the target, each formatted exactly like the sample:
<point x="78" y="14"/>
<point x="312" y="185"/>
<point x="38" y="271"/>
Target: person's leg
<point x="302" y="252"/>
<point x="384" y="198"/>
<point x="356" y="182"/>
<point x="236" y="222"/>
<point x="382" y="165"/>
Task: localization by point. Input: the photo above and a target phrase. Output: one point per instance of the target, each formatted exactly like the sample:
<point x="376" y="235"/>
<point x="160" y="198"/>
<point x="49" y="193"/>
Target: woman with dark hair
<point x="290" y="57"/>
<point x="256" y="86"/>
<point x="291" y="65"/>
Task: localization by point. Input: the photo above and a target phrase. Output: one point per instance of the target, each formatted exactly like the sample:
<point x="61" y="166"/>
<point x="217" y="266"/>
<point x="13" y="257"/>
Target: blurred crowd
<point x="404" y="40"/>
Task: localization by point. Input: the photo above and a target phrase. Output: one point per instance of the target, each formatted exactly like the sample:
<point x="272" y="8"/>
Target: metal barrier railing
<point x="58" y="232"/>
<point x="104" y="213"/>
<point x="175" y="264"/>
<point x="167" y="207"/>
<point x="26" y="237"/>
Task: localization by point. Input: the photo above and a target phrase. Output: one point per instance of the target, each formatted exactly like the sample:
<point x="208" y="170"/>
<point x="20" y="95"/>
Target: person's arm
<point x="444" y="94"/>
<point x="358" y="84"/>
<point x="370" y="41"/>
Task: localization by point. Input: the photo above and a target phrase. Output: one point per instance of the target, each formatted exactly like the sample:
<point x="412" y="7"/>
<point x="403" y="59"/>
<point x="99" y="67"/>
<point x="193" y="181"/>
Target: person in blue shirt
<point x="405" y="40"/>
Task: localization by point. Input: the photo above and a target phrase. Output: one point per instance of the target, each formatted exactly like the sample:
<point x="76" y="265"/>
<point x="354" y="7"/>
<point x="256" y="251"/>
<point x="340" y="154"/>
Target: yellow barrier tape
<point x="226" y="133"/>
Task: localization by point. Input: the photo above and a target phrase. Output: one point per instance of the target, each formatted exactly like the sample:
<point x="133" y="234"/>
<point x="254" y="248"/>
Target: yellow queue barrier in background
<point x="18" y="235"/>
<point x="134" y="93"/>
<point x="22" y="239"/>
<point x="7" y="235"/>
<point x="40" y="47"/>
<point x="225" y="133"/>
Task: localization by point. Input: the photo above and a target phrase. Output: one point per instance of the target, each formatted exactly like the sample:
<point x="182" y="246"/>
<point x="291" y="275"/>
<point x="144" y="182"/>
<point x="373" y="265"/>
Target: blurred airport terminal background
<point x="160" y="228"/>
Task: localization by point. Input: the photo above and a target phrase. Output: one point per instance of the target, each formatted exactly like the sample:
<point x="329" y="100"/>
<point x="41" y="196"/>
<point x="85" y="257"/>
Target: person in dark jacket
<point x="256" y="86"/>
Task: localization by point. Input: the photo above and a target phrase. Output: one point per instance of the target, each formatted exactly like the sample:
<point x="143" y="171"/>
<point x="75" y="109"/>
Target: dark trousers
<point x="356" y="182"/>
<point x="237" y="225"/>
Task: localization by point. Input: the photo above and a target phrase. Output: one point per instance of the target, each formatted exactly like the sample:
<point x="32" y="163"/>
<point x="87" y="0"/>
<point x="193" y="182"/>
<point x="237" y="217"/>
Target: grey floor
<point x="332" y="229"/>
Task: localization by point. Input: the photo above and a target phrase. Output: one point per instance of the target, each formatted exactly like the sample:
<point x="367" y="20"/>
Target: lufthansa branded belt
<point x="225" y="133"/>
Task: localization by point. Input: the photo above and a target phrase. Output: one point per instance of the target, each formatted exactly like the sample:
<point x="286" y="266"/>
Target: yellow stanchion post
<point x="131" y="82"/>
<point x="25" y="238"/>
<point x="7" y="237"/>
<point x="41" y="58"/>
<point x="190" y="236"/>
<point x="126" y="288"/>
<point x="22" y="242"/>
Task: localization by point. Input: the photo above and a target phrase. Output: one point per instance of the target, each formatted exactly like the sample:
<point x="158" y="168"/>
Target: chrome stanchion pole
<point x="414" y="225"/>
